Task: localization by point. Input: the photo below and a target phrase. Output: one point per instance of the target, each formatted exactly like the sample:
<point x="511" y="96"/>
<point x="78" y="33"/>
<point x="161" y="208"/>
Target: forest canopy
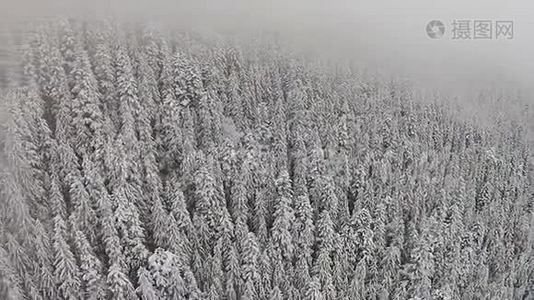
<point x="146" y="164"/>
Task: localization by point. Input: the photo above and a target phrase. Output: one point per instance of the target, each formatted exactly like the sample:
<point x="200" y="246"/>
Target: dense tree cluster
<point x="138" y="164"/>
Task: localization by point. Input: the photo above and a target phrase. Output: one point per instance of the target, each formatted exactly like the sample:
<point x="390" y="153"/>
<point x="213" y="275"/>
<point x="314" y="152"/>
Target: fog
<point x="386" y="37"/>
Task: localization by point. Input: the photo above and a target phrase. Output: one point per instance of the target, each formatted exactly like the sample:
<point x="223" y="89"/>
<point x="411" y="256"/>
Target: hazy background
<point x="386" y="37"/>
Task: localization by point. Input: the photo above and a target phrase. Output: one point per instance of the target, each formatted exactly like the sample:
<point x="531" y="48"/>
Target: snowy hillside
<point x="139" y="164"/>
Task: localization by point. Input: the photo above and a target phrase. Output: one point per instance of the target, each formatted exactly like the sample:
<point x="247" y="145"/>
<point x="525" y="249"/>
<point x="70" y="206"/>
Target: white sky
<point x="386" y="36"/>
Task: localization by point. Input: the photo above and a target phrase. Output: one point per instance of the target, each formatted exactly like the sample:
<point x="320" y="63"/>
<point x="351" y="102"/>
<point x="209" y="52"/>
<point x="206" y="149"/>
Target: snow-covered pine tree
<point x="66" y="270"/>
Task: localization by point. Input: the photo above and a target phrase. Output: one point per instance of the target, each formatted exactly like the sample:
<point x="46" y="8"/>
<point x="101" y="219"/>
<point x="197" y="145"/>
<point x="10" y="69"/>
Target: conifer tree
<point x="313" y="290"/>
<point x="90" y="269"/>
<point x="66" y="270"/>
<point x="283" y="217"/>
<point x="85" y="108"/>
<point x="249" y="268"/>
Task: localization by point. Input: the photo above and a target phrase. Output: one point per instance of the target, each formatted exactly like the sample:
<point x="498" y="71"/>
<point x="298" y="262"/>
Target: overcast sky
<point x="379" y="35"/>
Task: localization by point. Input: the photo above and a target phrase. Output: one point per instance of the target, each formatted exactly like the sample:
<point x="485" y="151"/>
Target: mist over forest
<point x="383" y="38"/>
<point x="243" y="150"/>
